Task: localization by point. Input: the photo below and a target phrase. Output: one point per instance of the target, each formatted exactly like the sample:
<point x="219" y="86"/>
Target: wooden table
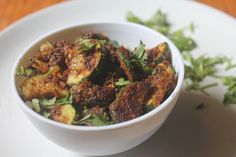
<point x="12" y="10"/>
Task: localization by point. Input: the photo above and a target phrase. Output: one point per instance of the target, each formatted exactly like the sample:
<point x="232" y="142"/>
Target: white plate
<point x="210" y="132"/>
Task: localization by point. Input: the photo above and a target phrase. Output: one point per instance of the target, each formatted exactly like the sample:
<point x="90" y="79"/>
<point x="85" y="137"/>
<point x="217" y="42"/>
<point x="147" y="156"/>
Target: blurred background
<point x="12" y="10"/>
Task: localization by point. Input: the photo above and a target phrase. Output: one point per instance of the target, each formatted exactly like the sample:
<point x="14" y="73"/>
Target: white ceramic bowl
<point x="110" y="139"/>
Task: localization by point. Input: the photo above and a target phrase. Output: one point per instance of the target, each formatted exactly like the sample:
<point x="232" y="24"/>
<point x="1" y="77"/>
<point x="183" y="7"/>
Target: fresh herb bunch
<point x="197" y="69"/>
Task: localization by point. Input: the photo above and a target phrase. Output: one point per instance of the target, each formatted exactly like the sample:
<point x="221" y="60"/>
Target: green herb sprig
<point x="44" y="105"/>
<point x="122" y="82"/>
<point x="27" y="72"/>
<point x="140" y="58"/>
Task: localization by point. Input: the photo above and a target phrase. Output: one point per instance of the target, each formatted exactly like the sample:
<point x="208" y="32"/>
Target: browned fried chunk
<point x="130" y="102"/>
<point x="158" y="54"/>
<point x="58" y="55"/>
<point x="50" y="55"/>
<point x="63" y="113"/>
<point x="43" y="86"/>
<point x="163" y="81"/>
<point x="88" y="94"/>
<point x="40" y="66"/>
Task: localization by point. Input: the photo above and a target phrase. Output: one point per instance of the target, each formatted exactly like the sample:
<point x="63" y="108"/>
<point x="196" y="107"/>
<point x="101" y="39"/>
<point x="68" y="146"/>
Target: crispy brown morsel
<point x="162" y="83"/>
<point x="90" y="95"/>
<point x="130" y="102"/>
<point x="44" y="86"/>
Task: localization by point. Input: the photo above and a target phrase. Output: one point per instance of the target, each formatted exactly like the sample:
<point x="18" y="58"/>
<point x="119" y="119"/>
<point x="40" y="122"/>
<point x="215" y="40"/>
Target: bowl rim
<point x="106" y="127"/>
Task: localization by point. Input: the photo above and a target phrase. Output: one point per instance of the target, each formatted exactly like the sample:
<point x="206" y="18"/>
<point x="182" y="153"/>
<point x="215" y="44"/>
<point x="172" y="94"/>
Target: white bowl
<point x="104" y="140"/>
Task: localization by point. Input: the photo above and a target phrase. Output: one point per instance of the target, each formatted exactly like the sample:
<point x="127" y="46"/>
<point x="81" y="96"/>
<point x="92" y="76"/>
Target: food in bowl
<point x="95" y="81"/>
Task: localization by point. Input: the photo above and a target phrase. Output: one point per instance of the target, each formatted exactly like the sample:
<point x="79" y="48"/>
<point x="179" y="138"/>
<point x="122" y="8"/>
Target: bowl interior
<point x="127" y="34"/>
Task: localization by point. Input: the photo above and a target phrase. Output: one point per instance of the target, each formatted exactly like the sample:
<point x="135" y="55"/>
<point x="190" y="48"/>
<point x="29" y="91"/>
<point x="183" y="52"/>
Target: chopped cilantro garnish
<point x="86" y="44"/>
<point x="182" y="42"/>
<point x="197" y="69"/>
<point x="122" y="82"/>
<point x="157" y="22"/>
<point x="48" y="102"/>
<point x="228" y="63"/>
<point x="46" y="114"/>
<point x="67" y="100"/>
<point x="133" y="18"/>
<point x="150" y="107"/>
<point x="27" y="72"/>
<point x="140" y="58"/>
<point x="35" y="105"/>
<point x="230" y="83"/>
<point x="139" y="51"/>
<point x="94" y="120"/>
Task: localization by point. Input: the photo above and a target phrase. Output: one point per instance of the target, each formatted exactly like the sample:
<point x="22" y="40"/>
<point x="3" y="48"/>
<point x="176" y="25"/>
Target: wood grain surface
<point x="12" y="10"/>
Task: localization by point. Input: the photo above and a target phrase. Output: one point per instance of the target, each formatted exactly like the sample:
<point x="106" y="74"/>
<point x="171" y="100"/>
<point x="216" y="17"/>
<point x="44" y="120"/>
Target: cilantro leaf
<point x="230" y="97"/>
<point x="140" y="52"/>
<point x="83" y="120"/>
<point x="86" y="44"/>
<point x="35" y="105"/>
<point x="139" y="59"/>
<point x="46" y="114"/>
<point x="228" y="63"/>
<point x="182" y="42"/>
<point x="197" y="69"/>
<point x="157" y="22"/>
<point x="98" y="120"/>
<point x="27" y="72"/>
<point x="67" y="100"/>
<point x="48" y="102"/>
<point x="122" y="82"/>
<point x="133" y="18"/>
<point x="160" y="23"/>
<point x="94" y="120"/>
<point x="230" y="83"/>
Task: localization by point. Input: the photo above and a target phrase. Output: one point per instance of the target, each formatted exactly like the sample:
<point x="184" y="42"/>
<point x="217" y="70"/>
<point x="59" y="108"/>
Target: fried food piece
<point x="90" y="95"/>
<point x="158" y="54"/>
<point x="83" y="65"/>
<point x="40" y="66"/>
<point x="63" y="113"/>
<point x="44" y="86"/>
<point x="50" y="56"/>
<point x="164" y="80"/>
<point x="130" y="102"/>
